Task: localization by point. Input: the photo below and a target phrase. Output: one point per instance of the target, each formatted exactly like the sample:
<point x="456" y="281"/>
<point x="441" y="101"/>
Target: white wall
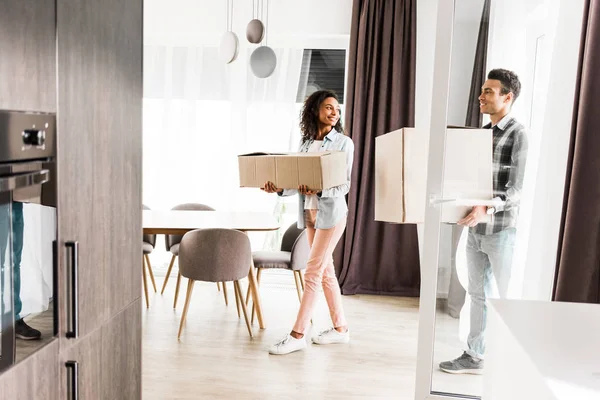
<point x="292" y="23"/>
<point x="464" y="45"/>
<point x="540" y="262"/>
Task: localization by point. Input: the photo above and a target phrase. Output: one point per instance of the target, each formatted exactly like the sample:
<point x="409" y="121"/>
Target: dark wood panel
<point x="121" y="154"/>
<point x="81" y="121"/>
<point x="28" y="55"/>
<point x="87" y="351"/>
<point x="36" y="377"/>
<point x="100" y="98"/>
<point x="122" y="352"/>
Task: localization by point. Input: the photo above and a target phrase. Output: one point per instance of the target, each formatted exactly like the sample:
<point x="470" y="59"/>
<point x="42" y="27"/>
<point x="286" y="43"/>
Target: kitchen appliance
<point x="27" y="232"/>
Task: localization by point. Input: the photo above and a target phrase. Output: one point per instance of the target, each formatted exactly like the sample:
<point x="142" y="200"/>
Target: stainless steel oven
<point x="28" y="228"/>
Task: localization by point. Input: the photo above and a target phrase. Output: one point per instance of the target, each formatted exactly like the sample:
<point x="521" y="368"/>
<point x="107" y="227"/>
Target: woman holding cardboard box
<point x="323" y="214"/>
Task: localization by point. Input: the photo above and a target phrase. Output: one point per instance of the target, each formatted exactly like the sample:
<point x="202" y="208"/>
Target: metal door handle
<point x="73" y="290"/>
<point x="19" y="181"/>
<point x="72" y="380"/>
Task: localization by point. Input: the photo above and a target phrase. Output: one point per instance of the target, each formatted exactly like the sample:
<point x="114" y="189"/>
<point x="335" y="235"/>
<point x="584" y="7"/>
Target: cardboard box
<point x="401" y="173"/>
<point x="318" y="170"/>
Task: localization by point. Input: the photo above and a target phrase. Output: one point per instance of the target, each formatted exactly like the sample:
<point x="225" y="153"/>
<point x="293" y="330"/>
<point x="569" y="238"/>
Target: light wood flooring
<point x="44" y="322"/>
<point x="216" y="359"/>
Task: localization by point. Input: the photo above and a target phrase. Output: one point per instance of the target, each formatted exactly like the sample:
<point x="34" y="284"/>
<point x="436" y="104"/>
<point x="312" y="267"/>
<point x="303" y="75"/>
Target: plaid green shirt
<point x="509" y="159"/>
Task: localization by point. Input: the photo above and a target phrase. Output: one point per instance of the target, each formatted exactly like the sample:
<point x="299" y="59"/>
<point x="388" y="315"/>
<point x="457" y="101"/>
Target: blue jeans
<point x="17" y="250"/>
<point x="486" y="255"/>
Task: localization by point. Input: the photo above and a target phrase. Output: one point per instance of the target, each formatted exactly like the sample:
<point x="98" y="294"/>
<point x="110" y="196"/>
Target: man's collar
<point x="503" y="122"/>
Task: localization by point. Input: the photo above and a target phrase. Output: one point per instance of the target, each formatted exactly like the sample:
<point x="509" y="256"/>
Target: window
<point x="322" y="69"/>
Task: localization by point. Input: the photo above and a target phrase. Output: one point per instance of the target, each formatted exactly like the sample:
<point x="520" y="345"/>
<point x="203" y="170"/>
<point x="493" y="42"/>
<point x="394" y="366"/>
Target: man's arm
<point x="512" y="198"/>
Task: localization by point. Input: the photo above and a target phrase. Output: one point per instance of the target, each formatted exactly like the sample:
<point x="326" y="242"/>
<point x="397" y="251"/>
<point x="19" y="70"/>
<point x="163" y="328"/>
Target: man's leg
<point x="22" y="330"/>
<point x="500" y="248"/>
<point x="17" y="228"/>
<point x="478" y="266"/>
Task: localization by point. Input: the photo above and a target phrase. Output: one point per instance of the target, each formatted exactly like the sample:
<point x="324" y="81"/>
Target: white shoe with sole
<point x="331" y="336"/>
<point x="288" y="345"/>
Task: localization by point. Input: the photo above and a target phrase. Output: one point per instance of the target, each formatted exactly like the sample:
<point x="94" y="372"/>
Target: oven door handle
<point x="20" y="181"/>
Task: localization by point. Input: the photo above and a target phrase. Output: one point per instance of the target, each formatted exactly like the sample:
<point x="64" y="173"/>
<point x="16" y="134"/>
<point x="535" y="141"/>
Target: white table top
<point x="562" y="340"/>
<point x="180" y="222"/>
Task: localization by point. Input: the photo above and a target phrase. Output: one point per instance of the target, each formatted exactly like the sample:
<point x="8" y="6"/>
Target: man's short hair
<point x="509" y="80"/>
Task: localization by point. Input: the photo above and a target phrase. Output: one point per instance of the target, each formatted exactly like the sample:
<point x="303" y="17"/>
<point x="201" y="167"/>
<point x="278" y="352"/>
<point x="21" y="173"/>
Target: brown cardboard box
<point x="401" y="173"/>
<point x="319" y="170"/>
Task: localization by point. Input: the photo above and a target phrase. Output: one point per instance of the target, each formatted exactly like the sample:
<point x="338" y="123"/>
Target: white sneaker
<point x="331" y="336"/>
<point x="287" y="345"/>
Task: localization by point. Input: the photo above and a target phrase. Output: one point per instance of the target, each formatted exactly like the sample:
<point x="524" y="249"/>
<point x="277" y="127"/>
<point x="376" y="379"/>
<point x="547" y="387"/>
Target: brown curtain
<point x="474" y="117"/>
<point x="578" y="263"/>
<point x="376" y="257"/>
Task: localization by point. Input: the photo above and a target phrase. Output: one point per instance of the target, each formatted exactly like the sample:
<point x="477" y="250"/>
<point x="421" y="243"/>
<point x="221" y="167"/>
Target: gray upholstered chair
<point x="172" y="245"/>
<point x="293" y="256"/>
<point x="148" y="244"/>
<point x="214" y="255"/>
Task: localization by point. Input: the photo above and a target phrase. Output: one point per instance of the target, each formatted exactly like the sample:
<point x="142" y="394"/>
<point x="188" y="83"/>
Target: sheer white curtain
<point x="199" y="114"/>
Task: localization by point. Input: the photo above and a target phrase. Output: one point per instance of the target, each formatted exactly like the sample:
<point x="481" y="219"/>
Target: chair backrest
<point x="289" y="237"/>
<point x="215" y="255"/>
<point x="172" y="240"/>
<point x="148" y="238"/>
<point x="300" y="252"/>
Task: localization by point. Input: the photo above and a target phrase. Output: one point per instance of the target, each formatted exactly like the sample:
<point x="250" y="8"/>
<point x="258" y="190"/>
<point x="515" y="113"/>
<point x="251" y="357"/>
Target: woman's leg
<point x="319" y="259"/>
<point x="333" y="295"/>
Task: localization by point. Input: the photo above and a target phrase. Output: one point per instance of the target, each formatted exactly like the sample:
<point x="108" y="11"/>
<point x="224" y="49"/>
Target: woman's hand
<point x="271" y="188"/>
<point x="303" y="189"/>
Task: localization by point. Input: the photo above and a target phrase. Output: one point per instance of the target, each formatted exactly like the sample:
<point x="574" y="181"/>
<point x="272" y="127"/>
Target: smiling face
<point x="329" y="112"/>
<point x="492" y="101"/>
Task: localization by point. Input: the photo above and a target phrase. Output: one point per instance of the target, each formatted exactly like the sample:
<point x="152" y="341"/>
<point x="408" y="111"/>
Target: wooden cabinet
<point x="84" y="59"/>
<point x="88" y="354"/>
<point x="100" y="174"/>
<point x="28" y="55"/>
<point x="36" y="377"/>
<point x="122" y="352"/>
<point x="99" y="155"/>
<point x="109" y="359"/>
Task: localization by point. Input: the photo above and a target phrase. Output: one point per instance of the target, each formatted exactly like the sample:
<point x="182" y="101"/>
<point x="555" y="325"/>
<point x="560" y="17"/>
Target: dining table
<point x="179" y="222"/>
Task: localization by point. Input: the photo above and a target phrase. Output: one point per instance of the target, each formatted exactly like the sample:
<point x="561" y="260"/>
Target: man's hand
<point x="270" y="187"/>
<point x="303" y="189"/>
<point x="477" y="215"/>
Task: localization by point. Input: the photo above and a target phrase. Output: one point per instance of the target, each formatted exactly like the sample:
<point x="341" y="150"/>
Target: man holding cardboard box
<point x="492" y="230"/>
<point x="323" y="214"/>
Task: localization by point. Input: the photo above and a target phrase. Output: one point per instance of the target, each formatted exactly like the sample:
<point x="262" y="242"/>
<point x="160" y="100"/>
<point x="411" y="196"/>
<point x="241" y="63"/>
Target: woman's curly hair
<point x="309" y="116"/>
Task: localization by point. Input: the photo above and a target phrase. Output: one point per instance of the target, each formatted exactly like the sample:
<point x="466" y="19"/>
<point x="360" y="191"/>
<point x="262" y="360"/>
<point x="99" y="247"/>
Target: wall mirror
<point x="461" y="270"/>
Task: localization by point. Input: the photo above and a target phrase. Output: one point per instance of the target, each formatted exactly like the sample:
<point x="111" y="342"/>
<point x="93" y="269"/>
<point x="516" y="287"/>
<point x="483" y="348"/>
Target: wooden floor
<point x="216" y="359"/>
<point x="44" y="322"/>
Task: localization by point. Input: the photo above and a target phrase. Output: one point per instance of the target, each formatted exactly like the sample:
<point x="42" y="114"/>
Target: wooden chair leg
<point x="219" y="286"/>
<point x="144" y="279"/>
<point x="237" y="301"/>
<point x="238" y="289"/>
<point x="225" y="293"/>
<point x="258" y="272"/>
<point x="301" y="275"/>
<point x="168" y="273"/>
<point x="188" y="296"/>
<point x="150" y="271"/>
<point x="298" y="285"/>
<point x="177" y="290"/>
<point x="258" y="282"/>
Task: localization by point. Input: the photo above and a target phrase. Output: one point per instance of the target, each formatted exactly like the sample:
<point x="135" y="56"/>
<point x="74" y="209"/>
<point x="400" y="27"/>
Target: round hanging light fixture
<point x="230" y="45"/>
<point x="263" y="60"/>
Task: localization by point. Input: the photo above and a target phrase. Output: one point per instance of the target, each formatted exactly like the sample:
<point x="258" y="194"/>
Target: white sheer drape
<point x="199" y="114"/>
<point x="39" y="231"/>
